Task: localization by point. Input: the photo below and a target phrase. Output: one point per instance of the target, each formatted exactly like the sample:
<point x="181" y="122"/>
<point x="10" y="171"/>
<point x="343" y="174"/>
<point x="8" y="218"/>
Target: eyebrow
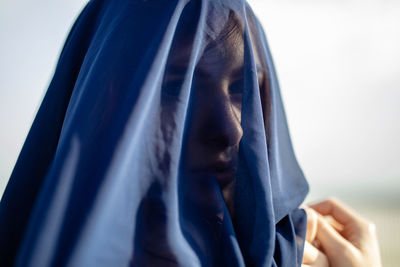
<point x="176" y="69"/>
<point x="180" y="70"/>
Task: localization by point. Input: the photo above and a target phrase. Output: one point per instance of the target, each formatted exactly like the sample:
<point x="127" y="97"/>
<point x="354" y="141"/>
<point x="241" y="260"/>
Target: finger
<point x="335" y="224"/>
<point x="310" y="253"/>
<point x="332" y="242"/>
<point x="313" y="256"/>
<point x="339" y="211"/>
<point x="317" y="244"/>
<point x="312" y="222"/>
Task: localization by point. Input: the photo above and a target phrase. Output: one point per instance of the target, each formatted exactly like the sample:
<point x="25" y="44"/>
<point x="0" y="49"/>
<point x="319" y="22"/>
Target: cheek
<point x="195" y="122"/>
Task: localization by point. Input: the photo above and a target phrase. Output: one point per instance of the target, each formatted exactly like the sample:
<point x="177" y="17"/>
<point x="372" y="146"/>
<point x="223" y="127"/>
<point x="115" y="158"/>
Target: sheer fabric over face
<point x="161" y="141"/>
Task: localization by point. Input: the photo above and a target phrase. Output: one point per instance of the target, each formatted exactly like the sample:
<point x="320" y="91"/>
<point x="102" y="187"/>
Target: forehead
<point x="221" y="56"/>
<point x="224" y="55"/>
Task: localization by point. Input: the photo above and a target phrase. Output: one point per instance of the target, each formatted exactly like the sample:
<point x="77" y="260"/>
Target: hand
<point x="348" y="240"/>
<point x="313" y="256"/>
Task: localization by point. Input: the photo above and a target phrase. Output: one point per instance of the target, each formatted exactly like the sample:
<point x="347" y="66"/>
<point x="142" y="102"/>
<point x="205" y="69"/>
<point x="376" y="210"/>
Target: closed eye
<point x="172" y="85"/>
<point x="236" y="93"/>
<point x="236" y="87"/>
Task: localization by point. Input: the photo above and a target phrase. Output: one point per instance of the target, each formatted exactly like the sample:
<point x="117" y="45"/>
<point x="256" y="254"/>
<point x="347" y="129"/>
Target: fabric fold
<point x="162" y="141"/>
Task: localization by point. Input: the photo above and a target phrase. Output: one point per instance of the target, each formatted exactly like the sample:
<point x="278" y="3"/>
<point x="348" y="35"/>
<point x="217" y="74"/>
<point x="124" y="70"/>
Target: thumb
<point x="312" y="224"/>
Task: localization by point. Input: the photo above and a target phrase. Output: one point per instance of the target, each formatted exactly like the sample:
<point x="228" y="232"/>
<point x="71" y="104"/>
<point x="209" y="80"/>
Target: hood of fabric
<point x="162" y="141"/>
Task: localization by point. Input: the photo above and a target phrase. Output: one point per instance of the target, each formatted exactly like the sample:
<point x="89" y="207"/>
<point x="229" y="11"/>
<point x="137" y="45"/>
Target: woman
<point x="161" y="141"/>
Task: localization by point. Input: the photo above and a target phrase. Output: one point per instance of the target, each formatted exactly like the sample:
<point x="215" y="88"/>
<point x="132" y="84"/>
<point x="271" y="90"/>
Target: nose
<point x="224" y="127"/>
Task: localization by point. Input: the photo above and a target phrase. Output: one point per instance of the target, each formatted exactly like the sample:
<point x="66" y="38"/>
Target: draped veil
<point x="137" y="102"/>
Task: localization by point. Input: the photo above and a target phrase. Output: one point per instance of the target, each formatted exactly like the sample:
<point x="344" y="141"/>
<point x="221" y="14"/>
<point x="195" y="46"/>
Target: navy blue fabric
<point x="161" y="141"/>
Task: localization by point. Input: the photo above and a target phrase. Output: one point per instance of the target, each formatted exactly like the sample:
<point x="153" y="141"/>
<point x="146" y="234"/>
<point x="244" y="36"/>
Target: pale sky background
<point x="338" y="62"/>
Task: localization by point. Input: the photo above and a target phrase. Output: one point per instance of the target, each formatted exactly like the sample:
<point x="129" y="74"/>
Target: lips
<point x="223" y="171"/>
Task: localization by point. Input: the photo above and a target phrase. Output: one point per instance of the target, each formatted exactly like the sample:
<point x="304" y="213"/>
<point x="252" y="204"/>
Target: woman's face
<point x="213" y="129"/>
